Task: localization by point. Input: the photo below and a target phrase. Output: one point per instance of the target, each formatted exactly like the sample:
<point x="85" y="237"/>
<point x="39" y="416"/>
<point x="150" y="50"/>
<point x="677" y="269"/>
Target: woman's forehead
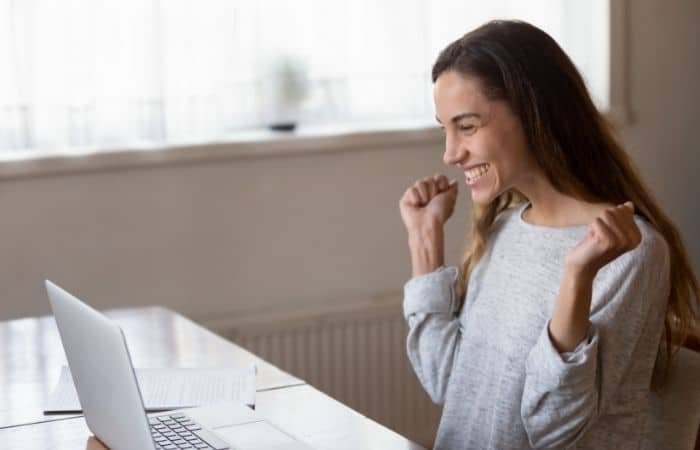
<point x="458" y="95"/>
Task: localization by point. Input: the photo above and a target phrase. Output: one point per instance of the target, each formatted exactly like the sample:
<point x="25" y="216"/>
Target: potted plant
<point x="286" y="87"/>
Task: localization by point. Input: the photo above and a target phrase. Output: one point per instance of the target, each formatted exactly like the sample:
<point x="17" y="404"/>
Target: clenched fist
<point x="428" y="203"/>
<point x="610" y="235"/>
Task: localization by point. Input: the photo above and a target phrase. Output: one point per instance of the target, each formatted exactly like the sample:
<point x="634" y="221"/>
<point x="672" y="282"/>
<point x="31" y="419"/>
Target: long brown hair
<point x="573" y="144"/>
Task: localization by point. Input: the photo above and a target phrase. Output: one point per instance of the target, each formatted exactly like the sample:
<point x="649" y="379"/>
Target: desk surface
<point x="302" y="411"/>
<point x="32" y="357"/>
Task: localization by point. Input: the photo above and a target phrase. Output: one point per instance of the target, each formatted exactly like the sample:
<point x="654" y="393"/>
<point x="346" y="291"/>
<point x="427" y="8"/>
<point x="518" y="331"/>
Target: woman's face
<point x="483" y="137"/>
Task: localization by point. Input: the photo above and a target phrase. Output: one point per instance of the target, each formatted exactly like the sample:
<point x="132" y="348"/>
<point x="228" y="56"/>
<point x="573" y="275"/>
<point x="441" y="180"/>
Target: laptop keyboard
<point x="177" y="431"/>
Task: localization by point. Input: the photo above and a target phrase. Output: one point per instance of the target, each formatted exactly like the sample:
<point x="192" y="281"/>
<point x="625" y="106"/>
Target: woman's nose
<point x="454" y="153"/>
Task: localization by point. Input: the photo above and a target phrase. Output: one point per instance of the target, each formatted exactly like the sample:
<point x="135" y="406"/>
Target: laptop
<point x="109" y="394"/>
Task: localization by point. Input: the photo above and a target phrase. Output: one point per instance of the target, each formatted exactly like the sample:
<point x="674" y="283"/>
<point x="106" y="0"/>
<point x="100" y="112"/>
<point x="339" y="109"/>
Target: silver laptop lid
<point x="102" y="372"/>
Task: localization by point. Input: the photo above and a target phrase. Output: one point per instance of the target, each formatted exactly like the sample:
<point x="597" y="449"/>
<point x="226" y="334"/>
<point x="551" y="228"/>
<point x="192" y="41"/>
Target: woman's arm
<point x="429" y="297"/>
<point x="427" y="249"/>
<point x="430" y="309"/>
<point x="608" y="236"/>
<point x="567" y="389"/>
<point x="570" y="318"/>
<point x="565" y="393"/>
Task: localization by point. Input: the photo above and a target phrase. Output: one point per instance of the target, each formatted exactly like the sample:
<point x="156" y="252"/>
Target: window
<point x="81" y="75"/>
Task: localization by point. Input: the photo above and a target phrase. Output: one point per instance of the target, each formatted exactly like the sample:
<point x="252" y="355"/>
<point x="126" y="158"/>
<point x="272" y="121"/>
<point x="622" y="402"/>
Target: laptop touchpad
<point x="257" y="435"/>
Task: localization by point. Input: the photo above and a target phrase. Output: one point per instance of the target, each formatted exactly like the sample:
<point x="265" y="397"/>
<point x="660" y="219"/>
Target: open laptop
<point x="109" y="394"/>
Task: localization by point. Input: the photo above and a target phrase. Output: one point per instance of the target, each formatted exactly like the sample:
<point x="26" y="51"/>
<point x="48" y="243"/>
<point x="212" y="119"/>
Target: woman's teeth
<point x="477" y="172"/>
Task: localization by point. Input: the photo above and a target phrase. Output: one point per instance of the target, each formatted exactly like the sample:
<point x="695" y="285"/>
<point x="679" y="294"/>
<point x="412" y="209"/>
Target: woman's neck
<point x="551" y="208"/>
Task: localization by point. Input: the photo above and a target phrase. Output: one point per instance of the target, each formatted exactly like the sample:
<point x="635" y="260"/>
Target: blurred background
<point x="141" y="161"/>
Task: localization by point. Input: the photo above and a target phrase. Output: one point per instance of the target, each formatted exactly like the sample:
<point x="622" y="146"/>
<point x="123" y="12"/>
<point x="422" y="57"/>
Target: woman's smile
<point x="474" y="174"/>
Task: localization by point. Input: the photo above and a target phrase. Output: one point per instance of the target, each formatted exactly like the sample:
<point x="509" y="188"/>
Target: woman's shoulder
<point x="653" y="242"/>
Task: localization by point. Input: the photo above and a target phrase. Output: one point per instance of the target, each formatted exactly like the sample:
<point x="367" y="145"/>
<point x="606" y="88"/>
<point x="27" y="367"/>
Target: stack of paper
<point x="164" y="389"/>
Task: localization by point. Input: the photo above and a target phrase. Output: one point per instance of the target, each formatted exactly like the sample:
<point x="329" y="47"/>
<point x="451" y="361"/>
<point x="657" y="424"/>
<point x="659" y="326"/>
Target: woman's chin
<point x="483" y="196"/>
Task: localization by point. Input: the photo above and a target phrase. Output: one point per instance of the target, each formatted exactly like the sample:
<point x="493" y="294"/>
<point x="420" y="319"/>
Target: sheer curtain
<point x="89" y="74"/>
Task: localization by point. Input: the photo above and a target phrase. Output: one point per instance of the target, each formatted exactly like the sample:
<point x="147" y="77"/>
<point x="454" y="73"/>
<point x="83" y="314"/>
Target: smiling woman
<point x="575" y="285"/>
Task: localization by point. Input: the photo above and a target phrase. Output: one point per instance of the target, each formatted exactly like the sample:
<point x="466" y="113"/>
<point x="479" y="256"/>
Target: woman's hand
<point x="428" y="203"/>
<point x="425" y="207"/>
<point x="608" y="236"/>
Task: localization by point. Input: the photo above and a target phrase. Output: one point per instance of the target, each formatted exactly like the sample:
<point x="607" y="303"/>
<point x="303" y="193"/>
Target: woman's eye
<point x="469" y="129"/>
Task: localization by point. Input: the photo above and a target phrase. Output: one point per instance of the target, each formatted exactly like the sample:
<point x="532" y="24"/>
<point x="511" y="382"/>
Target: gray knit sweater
<point x="493" y="366"/>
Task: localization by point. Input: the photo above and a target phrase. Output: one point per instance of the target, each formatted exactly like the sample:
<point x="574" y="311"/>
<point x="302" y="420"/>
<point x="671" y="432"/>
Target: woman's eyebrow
<point x="459" y="117"/>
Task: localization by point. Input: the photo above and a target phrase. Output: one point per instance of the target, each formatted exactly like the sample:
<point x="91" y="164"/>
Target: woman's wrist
<point x="579" y="274"/>
<point x="427" y="249"/>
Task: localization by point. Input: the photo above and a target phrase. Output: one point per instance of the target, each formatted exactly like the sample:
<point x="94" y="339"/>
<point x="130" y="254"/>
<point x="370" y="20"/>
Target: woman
<point x="573" y="276"/>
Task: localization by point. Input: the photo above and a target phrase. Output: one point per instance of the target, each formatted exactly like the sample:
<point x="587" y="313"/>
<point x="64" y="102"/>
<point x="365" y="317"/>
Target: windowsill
<point x="252" y="144"/>
<point x="243" y="145"/>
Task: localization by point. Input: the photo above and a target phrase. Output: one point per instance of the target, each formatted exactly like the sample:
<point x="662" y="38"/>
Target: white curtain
<point x="108" y="74"/>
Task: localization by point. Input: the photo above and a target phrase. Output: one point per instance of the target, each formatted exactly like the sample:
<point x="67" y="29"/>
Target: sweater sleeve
<point x="565" y="393"/>
<point x="433" y="337"/>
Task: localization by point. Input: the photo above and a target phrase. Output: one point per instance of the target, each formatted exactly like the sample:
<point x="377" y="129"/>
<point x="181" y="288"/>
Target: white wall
<point x="664" y="94"/>
<point x="217" y="237"/>
<point x="276" y="232"/>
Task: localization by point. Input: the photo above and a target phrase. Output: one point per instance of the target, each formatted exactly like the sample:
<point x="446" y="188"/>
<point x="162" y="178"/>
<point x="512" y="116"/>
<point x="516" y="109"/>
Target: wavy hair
<point x="574" y="145"/>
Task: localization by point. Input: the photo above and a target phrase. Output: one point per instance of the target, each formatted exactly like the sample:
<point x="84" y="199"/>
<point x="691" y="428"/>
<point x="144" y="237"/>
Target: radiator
<point x="356" y="353"/>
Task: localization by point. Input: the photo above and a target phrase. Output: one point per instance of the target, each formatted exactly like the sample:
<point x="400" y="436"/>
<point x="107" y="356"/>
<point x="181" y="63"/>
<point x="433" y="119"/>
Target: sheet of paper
<point x="164" y="389"/>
